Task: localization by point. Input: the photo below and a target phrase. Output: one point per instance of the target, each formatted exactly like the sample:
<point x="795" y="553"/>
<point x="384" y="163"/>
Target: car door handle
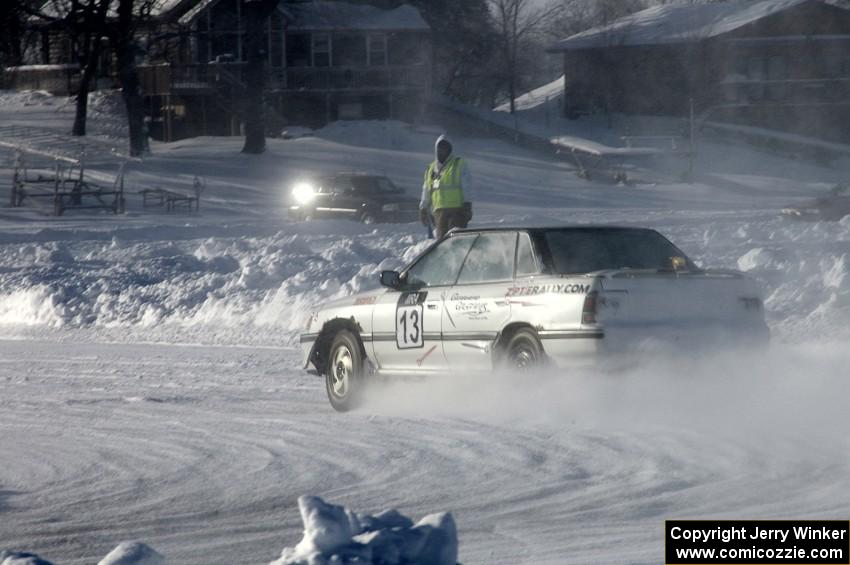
<point x="432" y="306"/>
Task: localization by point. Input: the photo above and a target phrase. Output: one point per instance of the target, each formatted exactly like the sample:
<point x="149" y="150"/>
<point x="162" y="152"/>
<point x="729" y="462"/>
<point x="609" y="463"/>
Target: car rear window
<point x="589" y="250"/>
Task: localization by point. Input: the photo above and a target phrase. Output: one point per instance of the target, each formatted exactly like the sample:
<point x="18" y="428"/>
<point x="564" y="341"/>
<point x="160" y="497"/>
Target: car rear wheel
<point x="344" y="374"/>
<point x="523" y="351"/>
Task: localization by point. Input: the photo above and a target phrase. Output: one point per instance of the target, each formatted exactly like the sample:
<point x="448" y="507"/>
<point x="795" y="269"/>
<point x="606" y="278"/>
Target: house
<point x="327" y="60"/>
<point x="781" y="64"/>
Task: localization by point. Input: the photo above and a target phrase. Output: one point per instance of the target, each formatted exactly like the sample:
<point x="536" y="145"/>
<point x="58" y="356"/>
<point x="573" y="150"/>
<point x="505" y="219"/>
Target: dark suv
<point x="358" y="196"/>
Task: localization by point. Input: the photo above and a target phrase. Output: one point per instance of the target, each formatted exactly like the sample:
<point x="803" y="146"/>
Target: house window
<point x="405" y="49"/>
<point x="776" y="73"/>
<point x="66" y="50"/>
<point x="299" y="52"/>
<point x="377" y="49"/>
<point x="755" y="76"/>
<point x="322" y="50"/>
<point x="275" y="31"/>
<point x="349" y="50"/>
<point x="755" y="68"/>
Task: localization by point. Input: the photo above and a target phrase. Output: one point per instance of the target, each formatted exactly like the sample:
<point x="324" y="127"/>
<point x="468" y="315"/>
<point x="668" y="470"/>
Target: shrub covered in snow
<point x="333" y="534"/>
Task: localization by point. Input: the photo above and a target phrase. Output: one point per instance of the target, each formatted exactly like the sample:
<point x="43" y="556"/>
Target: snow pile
<point x="805" y="271"/>
<point x="127" y="553"/>
<point x="217" y="285"/>
<point x="21" y="558"/>
<point x="132" y="553"/>
<point x="549" y="94"/>
<point x="383" y="134"/>
<point x="333" y="534"/>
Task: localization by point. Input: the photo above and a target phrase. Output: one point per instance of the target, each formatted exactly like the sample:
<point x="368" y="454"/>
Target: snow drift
<point x="337" y="535"/>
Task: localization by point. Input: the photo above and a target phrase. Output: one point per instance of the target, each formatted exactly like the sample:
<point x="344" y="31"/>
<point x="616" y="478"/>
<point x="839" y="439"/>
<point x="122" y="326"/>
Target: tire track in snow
<point x="202" y="452"/>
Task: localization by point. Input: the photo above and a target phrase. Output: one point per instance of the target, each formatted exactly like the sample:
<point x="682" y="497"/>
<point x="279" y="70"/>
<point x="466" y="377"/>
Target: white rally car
<point x="481" y="299"/>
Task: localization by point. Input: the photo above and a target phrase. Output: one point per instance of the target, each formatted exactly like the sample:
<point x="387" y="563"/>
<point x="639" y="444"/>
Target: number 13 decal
<point x="408" y="327"/>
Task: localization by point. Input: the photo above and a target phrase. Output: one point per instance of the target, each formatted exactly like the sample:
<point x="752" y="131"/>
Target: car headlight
<point x="303" y="193"/>
<point x="390" y="208"/>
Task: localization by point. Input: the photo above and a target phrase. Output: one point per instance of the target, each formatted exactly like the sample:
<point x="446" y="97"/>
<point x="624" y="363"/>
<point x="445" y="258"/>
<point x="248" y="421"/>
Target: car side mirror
<point x="390" y="279"/>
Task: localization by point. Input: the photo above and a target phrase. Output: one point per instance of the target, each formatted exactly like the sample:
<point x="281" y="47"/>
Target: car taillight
<point x="588" y="311"/>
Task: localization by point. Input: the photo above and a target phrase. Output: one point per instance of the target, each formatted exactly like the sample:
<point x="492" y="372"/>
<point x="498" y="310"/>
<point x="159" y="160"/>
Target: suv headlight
<point x="390" y="208"/>
<point x="303" y="193"/>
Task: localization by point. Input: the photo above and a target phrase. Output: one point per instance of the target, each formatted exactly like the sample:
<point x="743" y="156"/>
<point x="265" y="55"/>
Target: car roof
<point x="539" y="228"/>
<point x="353" y="174"/>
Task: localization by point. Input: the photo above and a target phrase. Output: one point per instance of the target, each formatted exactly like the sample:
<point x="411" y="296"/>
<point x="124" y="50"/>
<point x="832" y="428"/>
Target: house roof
<point x="321" y="15"/>
<point x="316" y="15"/>
<point x="682" y="23"/>
<point x="308" y="15"/>
<point x="61" y="8"/>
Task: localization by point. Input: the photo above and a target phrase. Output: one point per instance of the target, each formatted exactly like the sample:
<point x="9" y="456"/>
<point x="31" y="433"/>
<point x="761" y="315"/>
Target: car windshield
<point x="371" y="185"/>
<point x="588" y="250"/>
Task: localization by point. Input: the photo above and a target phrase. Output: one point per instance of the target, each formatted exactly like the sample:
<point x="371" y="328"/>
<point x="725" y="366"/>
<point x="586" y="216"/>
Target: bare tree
<point x="256" y="12"/>
<point x="132" y="14"/>
<point x="517" y="22"/>
<point x="85" y="23"/>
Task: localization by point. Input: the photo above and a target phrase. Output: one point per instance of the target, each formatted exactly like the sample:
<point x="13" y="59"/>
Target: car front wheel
<point x="344" y="377"/>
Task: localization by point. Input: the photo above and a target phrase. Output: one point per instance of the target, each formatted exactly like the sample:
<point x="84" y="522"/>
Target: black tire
<point x="522" y="351"/>
<point x="344" y="376"/>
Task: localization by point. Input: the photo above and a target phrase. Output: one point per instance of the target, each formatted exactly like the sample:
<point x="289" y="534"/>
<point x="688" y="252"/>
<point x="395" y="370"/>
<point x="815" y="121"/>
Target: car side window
<point x="441" y="265"/>
<point x="525" y="262"/>
<point x="491" y="259"/>
<point x="342" y="186"/>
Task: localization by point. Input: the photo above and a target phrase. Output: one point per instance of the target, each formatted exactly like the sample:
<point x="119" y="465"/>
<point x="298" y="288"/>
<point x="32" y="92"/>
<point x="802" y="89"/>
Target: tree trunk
<point x="135" y="107"/>
<point x="512" y="91"/>
<point x="255" y="48"/>
<point x="129" y="80"/>
<point x="89" y="72"/>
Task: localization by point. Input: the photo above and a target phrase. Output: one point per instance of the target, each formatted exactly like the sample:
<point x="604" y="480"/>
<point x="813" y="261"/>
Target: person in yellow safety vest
<point x="442" y="190"/>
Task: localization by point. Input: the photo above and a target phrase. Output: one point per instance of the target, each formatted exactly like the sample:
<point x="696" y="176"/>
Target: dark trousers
<point x="448" y="218"/>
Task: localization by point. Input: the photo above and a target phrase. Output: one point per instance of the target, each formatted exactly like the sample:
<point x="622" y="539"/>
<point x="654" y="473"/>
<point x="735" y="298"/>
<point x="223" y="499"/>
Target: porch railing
<point x="173" y="79"/>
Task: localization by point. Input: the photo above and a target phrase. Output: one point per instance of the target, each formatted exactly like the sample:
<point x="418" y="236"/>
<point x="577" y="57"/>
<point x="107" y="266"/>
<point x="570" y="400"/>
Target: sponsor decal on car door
<point x="477" y="308"/>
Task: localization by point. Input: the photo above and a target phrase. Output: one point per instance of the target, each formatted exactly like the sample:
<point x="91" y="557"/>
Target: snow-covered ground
<point x="150" y="385"/>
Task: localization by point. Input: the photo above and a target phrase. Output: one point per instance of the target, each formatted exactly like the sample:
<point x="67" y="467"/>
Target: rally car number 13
<point x="409" y="320"/>
<point x="526" y="298"/>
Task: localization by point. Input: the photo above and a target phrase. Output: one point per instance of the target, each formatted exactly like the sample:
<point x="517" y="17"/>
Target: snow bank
<point x="127" y="553"/>
<point x="237" y="285"/>
<point x="551" y="93"/>
<point x="379" y="134"/>
<point x="337" y="535"/>
<point x="21" y="558"/>
<point x="132" y="553"/>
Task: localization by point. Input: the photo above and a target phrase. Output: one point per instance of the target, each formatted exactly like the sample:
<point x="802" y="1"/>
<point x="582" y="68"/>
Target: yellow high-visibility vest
<point x="446" y="191"/>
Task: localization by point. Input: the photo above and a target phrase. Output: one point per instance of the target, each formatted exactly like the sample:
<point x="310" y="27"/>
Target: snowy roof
<point x="60" y="8"/>
<point x="326" y="15"/>
<point x="682" y="23"/>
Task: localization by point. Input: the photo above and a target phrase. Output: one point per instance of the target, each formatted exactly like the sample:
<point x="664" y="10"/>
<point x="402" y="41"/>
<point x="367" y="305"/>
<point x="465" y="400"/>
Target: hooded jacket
<point x="465" y="175"/>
